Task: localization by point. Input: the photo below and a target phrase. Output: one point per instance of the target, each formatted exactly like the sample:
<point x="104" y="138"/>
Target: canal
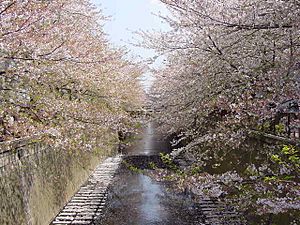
<point x="136" y="199"/>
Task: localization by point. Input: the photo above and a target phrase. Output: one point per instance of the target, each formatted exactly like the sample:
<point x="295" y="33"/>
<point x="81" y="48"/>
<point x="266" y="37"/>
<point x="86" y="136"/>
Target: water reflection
<point x="136" y="199"/>
<point x="149" y="142"/>
<point x="151" y="209"/>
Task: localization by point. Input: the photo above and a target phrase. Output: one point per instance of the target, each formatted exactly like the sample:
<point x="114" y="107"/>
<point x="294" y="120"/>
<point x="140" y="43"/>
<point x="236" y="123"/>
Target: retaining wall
<point x="36" y="179"/>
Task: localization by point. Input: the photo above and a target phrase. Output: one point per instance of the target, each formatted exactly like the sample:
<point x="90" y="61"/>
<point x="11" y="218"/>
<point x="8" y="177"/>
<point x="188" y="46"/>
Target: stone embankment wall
<point x="36" y="179"/>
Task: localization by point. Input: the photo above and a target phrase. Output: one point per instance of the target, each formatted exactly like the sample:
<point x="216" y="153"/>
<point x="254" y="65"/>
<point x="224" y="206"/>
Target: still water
<point x="148" y="142"/>
<point x="136" y="199"/>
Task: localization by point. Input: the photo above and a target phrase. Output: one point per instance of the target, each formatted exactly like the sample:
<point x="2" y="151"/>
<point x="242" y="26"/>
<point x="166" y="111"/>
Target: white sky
<point x="129" y="16"/>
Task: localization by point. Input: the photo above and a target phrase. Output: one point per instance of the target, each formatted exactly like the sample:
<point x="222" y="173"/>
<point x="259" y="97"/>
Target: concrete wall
<point x="36" y="180"/>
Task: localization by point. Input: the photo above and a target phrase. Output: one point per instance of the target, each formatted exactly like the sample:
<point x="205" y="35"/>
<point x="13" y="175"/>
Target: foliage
<point x="288" y="161"/>
<point x="132" y="167"/>
<point x="58" y="72"/>
<point x="279" y="128"/>
<point x="252" y="196"/>
<point x="225" y="63"/>
<point x="152" y="165"/>
<point x="168" y="161"/>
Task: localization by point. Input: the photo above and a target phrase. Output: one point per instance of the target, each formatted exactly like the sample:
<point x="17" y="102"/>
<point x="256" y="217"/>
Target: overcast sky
<point x="128" y="16"/>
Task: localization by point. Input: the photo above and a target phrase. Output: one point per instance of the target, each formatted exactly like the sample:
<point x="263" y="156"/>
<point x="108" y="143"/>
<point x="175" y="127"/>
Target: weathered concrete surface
<point x="36" y="180"/>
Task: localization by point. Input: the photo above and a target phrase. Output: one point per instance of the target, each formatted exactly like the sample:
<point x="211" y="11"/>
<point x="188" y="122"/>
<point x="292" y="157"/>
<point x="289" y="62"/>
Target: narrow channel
<point x="136" y="199"/>
<point x="148" y="142"/>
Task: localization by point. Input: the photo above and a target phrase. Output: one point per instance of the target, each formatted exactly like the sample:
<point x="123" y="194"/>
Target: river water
<point x="149" y="141"/>
<point x="136" y="199"/>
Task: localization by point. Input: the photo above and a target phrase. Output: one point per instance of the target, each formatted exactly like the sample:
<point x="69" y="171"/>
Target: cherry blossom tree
<point x="58" y="72"/>
<point x="227" y="61"/>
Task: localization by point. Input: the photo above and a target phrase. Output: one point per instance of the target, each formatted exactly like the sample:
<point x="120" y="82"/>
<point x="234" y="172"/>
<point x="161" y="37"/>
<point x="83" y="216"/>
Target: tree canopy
<point x="59" y="72"/>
